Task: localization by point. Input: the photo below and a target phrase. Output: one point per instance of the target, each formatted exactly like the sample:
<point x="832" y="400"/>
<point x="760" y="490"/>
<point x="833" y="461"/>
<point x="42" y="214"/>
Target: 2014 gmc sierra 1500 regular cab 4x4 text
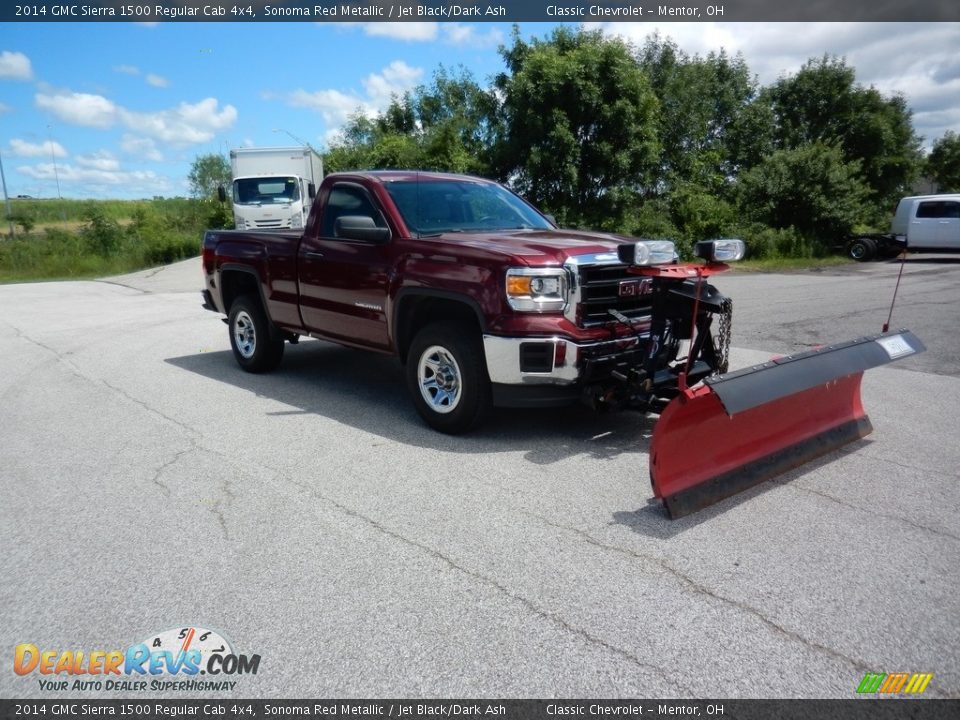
<point x="487" y="302"/>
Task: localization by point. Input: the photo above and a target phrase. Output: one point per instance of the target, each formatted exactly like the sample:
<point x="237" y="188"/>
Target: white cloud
<point x="335" y="106"/>
<point x="143" y="148"/>
<point x="451" y="33"/>
<point x="459" y="34"/>
<point x="395" y="79"/>
<point x="101" y="160"/>
<point x="409" y="31"/>
<point x="15" y="66"/>
<point x="22" y="148"/>
<point x="185" y="124"/>
<point x="157" y="80"/>
<point x="79" y="108"/>
<point x="95" y="179"/>
<point x="127" y="69"/>
<point x="4" y="108"/>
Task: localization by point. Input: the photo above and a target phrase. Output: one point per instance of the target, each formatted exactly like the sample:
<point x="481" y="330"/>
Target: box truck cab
<point x="273" y="188"/>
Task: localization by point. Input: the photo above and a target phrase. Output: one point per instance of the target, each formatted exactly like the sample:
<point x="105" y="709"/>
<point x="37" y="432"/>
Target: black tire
<point x="257" y="344"/>
<point x="447" y="377"/>
<point x="862" y="249"/>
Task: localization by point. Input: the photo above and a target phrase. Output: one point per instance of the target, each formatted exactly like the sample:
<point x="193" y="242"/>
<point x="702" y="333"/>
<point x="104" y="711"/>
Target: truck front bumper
<point x="547" y="372"/>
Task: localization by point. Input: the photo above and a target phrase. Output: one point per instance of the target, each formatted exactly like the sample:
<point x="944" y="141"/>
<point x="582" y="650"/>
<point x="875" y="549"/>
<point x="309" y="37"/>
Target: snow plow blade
<point x="739" y="429"/>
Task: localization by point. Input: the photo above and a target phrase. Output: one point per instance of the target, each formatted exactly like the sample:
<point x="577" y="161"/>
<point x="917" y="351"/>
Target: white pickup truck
<point x="922" y="223"/>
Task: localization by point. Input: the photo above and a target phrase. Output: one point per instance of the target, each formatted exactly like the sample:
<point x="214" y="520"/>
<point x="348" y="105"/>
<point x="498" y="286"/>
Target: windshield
<point x="265" y="190"/>
<point x="435" y="206"/>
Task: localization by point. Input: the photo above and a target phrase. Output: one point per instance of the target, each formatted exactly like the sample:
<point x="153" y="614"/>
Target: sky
<point x="119" y="110"/>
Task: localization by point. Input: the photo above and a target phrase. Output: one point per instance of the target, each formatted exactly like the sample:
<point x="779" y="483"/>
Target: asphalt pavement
<point x="311" y="518"/>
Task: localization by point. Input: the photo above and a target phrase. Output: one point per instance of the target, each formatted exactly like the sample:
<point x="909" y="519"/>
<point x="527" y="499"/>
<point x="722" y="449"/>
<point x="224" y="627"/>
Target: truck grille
<point x="600" y="290"/>
<point x="272" y="224"/>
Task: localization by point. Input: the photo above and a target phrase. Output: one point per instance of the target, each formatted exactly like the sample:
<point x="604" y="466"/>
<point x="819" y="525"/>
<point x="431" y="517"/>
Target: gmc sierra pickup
<point x="483" y="298"/>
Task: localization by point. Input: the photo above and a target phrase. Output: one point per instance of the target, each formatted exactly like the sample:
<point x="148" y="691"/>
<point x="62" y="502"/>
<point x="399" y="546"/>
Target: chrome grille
<point x="599" y="290"/>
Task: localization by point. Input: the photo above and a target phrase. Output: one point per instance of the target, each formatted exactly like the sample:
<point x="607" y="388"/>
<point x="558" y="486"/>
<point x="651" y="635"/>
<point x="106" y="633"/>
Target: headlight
<point x="648" y="252"/>
<point x="723" y="250"/>
<point x="537" y="289"/>
<point x="296" y="221"/>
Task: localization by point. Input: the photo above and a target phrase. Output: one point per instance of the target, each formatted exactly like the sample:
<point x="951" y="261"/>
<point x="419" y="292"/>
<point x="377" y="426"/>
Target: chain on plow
<point x="724" y="333"/>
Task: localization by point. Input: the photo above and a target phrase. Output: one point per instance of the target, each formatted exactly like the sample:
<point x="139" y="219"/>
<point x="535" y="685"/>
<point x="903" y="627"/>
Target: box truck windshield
<point x="265" y="190"/>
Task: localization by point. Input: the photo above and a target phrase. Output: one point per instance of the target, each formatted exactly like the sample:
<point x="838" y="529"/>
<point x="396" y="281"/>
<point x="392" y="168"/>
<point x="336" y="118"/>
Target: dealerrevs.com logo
<point x="189" y="659"/>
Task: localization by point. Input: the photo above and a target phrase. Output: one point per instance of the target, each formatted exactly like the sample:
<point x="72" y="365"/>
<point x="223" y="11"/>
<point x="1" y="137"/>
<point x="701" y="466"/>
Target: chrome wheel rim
<point x="439" y="379"/>
<point x="244" y="335"/>
<point x="857" y="251"/>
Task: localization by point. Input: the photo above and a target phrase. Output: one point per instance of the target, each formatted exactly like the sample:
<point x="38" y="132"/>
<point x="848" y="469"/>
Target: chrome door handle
<point x="315" y="256"/>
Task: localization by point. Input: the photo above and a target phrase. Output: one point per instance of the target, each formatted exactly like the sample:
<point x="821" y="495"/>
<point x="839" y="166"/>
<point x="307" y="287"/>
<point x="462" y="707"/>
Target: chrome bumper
<point x="503" y="358"/>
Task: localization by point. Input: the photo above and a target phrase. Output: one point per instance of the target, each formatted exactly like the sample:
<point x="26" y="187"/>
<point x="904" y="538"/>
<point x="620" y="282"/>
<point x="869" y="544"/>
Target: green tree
<point x="579" y="119"/>
<point x="207" y="173"/>
<point x="447" y="125"/>
<point x="810" y="188"/>
<point x="943" y="163"/>
<point x="822" y="103"/>
<point x="701" y="101"/>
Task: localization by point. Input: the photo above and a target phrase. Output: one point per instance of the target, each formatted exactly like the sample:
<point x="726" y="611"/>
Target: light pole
<point x="53" y="156"/>
<point x="299" y="140"/>
<point x="6" y="198"/>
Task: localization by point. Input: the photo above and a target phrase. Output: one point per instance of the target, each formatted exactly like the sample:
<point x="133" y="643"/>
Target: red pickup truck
<point x="481" y="296"/>
<point x="487" y="302"/>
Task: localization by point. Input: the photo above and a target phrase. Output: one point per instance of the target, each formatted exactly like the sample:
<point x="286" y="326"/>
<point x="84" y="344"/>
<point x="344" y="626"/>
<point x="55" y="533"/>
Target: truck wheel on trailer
<point x="447" y="377"/>
<point x="257" y="345"/>
<point x="862" y="249"/>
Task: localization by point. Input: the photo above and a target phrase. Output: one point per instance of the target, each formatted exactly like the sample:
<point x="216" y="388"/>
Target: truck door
<point x="948" y="229"/>
<point x="935" y="222"/>
<point x="343" y="282"/>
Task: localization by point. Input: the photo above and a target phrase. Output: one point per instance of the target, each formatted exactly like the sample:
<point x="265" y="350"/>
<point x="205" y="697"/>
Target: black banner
<point x="482" y="11"/>
<point x="854" y="709"/>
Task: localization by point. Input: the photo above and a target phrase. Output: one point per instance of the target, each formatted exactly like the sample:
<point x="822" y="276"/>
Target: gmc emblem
<point x="635" y="288"/>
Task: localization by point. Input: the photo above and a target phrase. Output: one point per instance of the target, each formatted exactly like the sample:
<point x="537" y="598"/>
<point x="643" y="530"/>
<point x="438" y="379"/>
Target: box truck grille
<point x="271" y="224"/>
<point x="600" y="290"/>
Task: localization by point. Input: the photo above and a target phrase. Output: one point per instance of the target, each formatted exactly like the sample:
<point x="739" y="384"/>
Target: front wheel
<point x="447" y="378"/>
<point x="257" y="345"/>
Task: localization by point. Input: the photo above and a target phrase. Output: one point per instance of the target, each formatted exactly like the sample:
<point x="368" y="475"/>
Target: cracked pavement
<point x="311" y="518"/>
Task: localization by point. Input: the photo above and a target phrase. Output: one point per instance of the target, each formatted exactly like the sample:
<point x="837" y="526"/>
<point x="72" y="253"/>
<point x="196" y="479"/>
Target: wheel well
<point x="234" y="283"/>
<point x="416" y="313"/>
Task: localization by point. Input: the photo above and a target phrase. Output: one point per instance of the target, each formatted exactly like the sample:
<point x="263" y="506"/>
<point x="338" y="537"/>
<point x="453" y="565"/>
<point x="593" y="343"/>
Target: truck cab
<point x="929" y="222"/>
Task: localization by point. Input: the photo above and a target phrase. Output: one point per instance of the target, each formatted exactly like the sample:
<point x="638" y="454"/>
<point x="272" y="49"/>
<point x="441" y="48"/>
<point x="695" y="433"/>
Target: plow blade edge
<point x="745" y="427"/>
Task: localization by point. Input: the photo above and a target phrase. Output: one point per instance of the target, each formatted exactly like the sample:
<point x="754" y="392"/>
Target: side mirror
<point x="222" y="193"/>
<point x="551" y="218"/>
<point x="311" y="190"/>
<point x="360" y="227"/>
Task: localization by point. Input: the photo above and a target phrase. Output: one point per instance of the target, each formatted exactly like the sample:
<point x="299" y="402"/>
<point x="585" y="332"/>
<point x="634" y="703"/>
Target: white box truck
<point x="273" y="188"/>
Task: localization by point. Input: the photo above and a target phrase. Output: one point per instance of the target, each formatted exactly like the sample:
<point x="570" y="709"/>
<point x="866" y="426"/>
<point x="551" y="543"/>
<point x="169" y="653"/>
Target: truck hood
<point x="537" y="247"/>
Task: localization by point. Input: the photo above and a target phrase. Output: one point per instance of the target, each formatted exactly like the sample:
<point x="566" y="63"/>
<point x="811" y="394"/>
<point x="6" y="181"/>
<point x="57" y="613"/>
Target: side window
<point x="347" y="200"/>
<point x="952" y="210"/>
<point x="935" y="209"/>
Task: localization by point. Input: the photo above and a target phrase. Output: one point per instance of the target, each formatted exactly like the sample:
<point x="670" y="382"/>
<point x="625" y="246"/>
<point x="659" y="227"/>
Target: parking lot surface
<point x="311" y="518"/>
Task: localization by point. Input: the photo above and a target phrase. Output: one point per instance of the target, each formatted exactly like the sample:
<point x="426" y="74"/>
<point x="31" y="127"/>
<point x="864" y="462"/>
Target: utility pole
<point x="53" y="156"/>
<point x="6" y="198"/>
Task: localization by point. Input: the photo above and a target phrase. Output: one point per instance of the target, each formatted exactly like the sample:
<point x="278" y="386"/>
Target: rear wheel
<point x="862" y="249"/>
<point x="257" y="344"/>
<point x="447" y="378"/>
